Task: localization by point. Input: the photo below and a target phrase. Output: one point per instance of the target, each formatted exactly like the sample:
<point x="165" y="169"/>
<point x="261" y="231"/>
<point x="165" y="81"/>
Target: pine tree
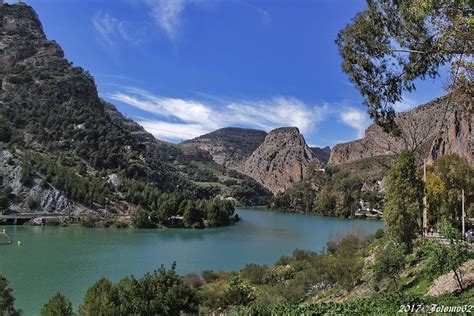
<point x="404" y="200"/>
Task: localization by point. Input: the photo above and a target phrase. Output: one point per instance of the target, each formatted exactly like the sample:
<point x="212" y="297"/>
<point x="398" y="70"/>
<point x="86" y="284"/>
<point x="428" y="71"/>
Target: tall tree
<point x="6" y="299"/>
<point x="403" y="200"/>
<point x="392" y="43"/>
<point x="58" y="305"/>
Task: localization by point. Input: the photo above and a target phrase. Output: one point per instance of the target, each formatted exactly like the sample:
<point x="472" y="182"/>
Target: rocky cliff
<point x="229" y="146"/>
<point x="439" y="127"/>
<point x="281" y="160"/>
<point x="322" y="154"/>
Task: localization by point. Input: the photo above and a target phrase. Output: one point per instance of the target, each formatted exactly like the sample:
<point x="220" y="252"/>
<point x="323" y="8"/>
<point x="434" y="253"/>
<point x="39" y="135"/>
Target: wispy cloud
<point x="167" y="14"/>
<point x="355" y="118"/>
<point x="176" y="118"/>
<point x="405" y="105"/>
<point x="108" y="27"/>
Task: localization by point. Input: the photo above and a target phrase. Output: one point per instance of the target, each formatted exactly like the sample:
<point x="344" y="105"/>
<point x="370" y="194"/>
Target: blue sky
<point x="182" y="68"/>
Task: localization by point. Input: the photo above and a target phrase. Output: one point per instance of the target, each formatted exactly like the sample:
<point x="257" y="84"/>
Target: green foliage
<point x="254" y="273"/>
<point x="404" y="200"/>
<point x="209" y="276"/>
<point x="336" y="191"/>
<point x="384" y="305"/>
<point x="4" y="202"/>
<point x="443" y="257"/>
<point x="379" y="234"/>
<point x="344" y="266"/>
<point x="391" y="44"/>
<point x="161" y="293"/>
<point x="390" y="262"/>
<point x="450" y="174"/>
<point x="100" y="299"/>
<point x="237" y="294"/>
<point x="85" y="189"/>
<point x="58" y="305"/>
<point x="25" y="174"/>
<point x="7" y="300"/>
<point x="5" y="131"/>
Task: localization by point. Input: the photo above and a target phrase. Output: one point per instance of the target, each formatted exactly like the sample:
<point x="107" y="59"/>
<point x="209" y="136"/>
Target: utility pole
<point x="425" y="210"/>
<point x="463" y="215"/>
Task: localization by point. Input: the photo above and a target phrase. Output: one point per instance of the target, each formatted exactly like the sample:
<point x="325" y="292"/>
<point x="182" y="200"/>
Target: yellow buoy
<point x="18" y="242"/>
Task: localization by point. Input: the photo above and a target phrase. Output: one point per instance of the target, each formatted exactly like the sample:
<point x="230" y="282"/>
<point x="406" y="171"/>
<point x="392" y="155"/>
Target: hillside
<point x="229" y="146"/>
<point x="422" y="130"/>
<point x="66" y="150"/>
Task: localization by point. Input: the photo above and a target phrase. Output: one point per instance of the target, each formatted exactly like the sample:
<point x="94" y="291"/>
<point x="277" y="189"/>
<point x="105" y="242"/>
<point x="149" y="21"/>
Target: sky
<point x="182" y="68"/>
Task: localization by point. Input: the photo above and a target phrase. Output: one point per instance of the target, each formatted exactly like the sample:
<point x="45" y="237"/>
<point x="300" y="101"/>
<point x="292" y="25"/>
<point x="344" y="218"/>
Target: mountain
<point x="275" y="160"/>
<point x="322" y="154"/>
<point x="281" y="160"/>
<point x="439" y="127"/>
<point x="65" y="150"/>
<point x="229" y="146"/>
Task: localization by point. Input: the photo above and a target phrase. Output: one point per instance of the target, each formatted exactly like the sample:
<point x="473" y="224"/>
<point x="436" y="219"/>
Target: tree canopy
<point x="404" y="200"/>
<point x="392" y="43"/>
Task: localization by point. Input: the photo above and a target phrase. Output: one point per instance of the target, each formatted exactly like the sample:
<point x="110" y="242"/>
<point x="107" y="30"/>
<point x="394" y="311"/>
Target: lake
<point x="71" y="259"/>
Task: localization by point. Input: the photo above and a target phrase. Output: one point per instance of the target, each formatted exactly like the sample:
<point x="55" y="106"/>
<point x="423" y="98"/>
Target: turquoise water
<point x="70" y="259"/>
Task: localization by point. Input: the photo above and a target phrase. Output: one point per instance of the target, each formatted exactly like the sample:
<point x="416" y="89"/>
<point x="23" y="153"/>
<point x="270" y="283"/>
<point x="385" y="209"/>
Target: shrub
<point x="209" y="276"/>
<point x="254" y="273"/>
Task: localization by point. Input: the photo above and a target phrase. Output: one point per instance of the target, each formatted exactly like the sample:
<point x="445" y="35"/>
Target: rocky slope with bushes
<point x="76" y="153"/>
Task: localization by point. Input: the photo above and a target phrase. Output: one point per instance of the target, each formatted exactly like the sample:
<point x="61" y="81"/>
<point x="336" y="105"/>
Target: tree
<point x="6" y="299"/>
<point x="450" y="256"/>
<point x="390" y="262"/>
<point x="392" y="43"/>
<point x="456" y="174"/>
<point x="58" y="305"/>
<point x="4" y="202"/>
<point x="403" y="200"/>
<point x="162" y="293"/>
<point x="191" y="215"/>
<point x="100" y="299"/>
<point x="237" y="293"/>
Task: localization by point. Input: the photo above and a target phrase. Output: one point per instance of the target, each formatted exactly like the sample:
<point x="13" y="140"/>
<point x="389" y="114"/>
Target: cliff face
<point x="422" y="130"/>
<point x="322" y="154"/>
<point x="458" y="136"/>
<point x="229" y="146"/>
<point x="281" y="160"/>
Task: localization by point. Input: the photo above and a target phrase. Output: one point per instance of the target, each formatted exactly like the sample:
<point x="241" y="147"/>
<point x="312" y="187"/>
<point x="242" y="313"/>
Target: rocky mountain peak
<point x="281" y="160"/>
<point x="229" y="146"/>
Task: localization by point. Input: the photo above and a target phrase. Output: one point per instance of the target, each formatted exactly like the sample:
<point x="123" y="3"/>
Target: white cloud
<point x="167" y="14"/>
<point x="184" y="118"/>
<point x="405" y="105"/>
<point x="357" y="119"/>
<point x="111" y="29"/>
<point x="173" y="131"/>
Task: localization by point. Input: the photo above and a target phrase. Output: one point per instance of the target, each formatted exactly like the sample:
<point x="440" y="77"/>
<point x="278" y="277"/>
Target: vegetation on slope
<point x="337" y="190"/>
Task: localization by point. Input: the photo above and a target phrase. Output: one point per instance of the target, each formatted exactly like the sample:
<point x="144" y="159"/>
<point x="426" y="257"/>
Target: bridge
<point x="21" y="218"/>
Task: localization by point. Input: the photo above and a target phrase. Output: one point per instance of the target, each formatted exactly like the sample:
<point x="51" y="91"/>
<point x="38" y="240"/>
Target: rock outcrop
<point x="281" y="160"/>
<point x="229" y="146"/>
<point x="36" y="197"/>
<point x="322" y="154"/>
<point x="439" y="127"/>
